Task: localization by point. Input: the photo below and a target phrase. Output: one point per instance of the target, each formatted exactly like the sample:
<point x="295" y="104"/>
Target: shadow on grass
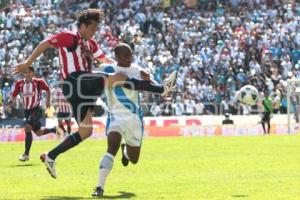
<point x="63" y="197"/>
<point x="122" y="195"/>
<point x="240" y="196"/>
<point x="24" y="165"/>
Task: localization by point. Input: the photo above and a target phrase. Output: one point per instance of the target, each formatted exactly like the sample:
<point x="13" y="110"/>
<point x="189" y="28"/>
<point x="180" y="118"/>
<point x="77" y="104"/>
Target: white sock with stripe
<point x="105" y="167"/>
<point x="125" y="152"/>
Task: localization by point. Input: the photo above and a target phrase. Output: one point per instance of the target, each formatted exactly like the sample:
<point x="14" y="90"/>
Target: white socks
<point x="105" y="167"/>
<point x="125" y="152"/>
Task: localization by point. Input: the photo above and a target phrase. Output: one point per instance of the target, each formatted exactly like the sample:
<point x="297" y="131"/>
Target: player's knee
<point x="112" y="150"/>
<point x="36" y="127"/>
<point x="28" y="128"/>
<point x="85" y="132"/>
<point x="38" y="133"/>
<point x="89" y="131"/>
<point x="28" y="133"/>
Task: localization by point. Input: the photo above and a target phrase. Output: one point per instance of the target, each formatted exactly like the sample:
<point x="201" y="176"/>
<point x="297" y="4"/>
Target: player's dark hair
<point x="122" y="48"/>
<point x="87" y="16"/>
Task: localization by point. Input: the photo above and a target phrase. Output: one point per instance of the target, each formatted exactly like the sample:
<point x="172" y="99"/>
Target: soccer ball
<point x="248" y="95"/>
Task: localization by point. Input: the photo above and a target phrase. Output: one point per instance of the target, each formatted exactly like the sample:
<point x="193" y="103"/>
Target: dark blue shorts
<point x="33" y="117"/>
<point x="82" y="89"/>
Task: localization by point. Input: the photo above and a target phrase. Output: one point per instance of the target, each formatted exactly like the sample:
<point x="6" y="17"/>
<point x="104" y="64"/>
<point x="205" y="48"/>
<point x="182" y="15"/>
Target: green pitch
<point x="257" y="167"/>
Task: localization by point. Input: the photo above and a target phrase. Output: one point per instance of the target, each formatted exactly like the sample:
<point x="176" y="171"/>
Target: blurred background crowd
<point x="217" y="46"/>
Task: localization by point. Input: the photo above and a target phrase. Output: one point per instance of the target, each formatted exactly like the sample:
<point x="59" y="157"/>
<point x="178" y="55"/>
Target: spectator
<point x="167" y="108"/>
<point x="199" y="108"/>
<point x="190" y="107"/>
<point x="1" y="107"/>
<point x="1" y="99"/>
<point x="179" y="107"/>
<point x="155" y="110"/>
<point x="217" y="47"/>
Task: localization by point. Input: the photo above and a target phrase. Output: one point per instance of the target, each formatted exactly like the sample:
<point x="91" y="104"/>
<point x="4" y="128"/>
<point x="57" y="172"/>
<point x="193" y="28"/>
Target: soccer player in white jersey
<point x="125" y="117"/>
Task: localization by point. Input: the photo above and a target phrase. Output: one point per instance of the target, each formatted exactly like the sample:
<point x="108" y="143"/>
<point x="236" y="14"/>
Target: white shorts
<point x="130" y="127"/>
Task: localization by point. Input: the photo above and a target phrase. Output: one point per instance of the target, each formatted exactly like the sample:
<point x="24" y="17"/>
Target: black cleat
<point x="124" y="160"/>
<point x="98" y="192"/>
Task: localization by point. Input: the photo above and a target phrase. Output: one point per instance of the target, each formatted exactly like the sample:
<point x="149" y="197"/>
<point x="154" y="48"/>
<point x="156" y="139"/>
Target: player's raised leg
<point x="46" y="131"/>
<point x="33" y="125"/>
<point x="130" y="153"/>
<point x="84" y="131"/>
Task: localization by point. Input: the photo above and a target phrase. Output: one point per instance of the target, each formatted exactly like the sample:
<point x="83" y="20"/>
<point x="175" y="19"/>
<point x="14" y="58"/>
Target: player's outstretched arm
<point x="105" y="60"/>
<point x="15" y="92"/>
<point x="43" y="46"/>
<point x="145" y="76"/>
<point x="133" y="84"/>
<point x="44" y="86"/>
<point x="142" y="85"/>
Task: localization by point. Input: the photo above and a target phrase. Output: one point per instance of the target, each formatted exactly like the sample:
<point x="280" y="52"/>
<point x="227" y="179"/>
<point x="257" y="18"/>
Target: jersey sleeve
<point x="136" y="72"/>
<point x="63" y="39"/>
<point x="97" y="52"/>
<point x="44" y="85"/>
<point x="16" y="89"/>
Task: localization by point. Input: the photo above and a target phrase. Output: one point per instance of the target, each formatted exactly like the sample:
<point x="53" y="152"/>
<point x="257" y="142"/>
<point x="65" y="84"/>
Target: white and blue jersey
<point x="124" y="111"/>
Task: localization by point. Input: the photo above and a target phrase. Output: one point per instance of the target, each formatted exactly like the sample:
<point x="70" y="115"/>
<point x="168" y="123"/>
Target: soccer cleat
<point x="98" y="192"/>
<point x="24" y="158"/>
<point x="169" y="83"/>
<point x="50" y="164"/>
<point x="124" y="160"/>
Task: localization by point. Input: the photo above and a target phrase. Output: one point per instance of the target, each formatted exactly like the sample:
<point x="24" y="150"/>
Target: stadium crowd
<point x="217" y="46"/>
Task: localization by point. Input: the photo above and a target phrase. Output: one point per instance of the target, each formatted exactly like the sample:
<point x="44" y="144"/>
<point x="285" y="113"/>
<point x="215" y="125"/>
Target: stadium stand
<point x="217" y="46"/>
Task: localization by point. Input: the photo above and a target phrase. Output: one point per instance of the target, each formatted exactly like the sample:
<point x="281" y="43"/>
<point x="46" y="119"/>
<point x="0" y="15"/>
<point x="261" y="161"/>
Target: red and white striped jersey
<point x="61" y="103"/>
<point x="75" y="53"/>
<point x="31" y="91"/>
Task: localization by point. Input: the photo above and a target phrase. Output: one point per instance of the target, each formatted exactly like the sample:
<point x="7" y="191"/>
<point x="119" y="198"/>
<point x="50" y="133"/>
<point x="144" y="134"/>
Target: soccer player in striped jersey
<point x="63" y="110"/>
<point x="30" y="89"/>
<point x="81" y="87"/>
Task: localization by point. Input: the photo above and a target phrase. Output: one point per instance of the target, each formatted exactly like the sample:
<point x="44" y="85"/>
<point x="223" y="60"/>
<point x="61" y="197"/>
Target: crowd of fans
<point x="217" y="46"/>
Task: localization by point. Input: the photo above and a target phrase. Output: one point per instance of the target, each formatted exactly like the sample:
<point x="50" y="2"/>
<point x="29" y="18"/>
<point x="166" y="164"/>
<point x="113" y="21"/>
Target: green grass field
<point x="257" y="167"/>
